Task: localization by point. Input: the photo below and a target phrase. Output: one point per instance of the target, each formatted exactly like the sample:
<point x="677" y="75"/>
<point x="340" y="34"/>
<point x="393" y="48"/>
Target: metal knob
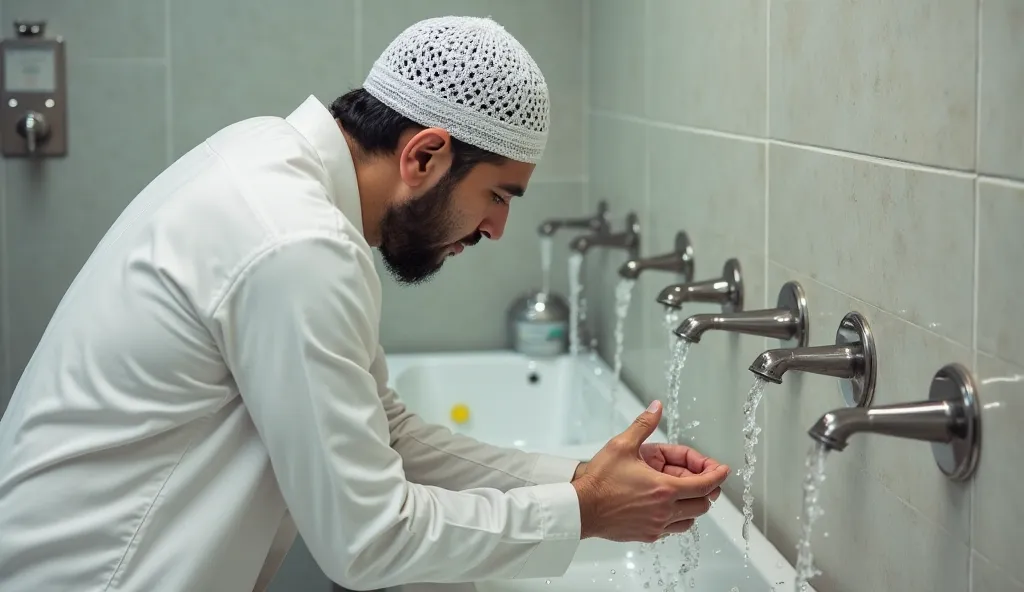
<point x="34" y="129"/>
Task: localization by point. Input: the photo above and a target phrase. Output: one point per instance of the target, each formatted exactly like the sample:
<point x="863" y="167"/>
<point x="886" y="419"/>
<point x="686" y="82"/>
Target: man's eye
<point x="499" y="199"/>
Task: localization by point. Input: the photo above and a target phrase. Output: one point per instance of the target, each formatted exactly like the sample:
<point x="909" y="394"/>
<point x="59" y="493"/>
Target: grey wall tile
<point x="689" y="82"/>
<point x="1000" y="251"/>
<point x="6" y="385"/>
<point x="1001" y="150"/>
<point x="219" y="77"/>
<point x="898" y="238"/>
<point x="56" y="214"/>
<point x="908" y="357"/>
<point x="98" y="28"/>
<point x="551" y="31"/>
<point x="617" y="59"/>
<point x="481" y="283"/>
<point x="617" y="152"/>
<point x="999" y="487"/>
<point x="989" y="578"/>
<point x="877" y="77"/>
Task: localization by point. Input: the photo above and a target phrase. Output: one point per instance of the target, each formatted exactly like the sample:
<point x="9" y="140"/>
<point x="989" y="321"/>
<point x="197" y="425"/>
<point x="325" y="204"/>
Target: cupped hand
<point x="678" y="461"/>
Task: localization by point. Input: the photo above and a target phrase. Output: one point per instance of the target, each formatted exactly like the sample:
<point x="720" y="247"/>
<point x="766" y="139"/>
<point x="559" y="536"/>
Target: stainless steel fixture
<point x="597" y="223"/>
<point x="787" y="322"/>
<point x="950" y="419"/>
<point x="852" y="358"/>
<point x="628" y="239"/>
<point x="726" y="290"/>
<point x="33" y="93"/>
<point x="679" y="260"/>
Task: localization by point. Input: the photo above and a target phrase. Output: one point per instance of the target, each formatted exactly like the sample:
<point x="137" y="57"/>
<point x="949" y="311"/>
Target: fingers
<point x="702" y="485"/>
<point x="679" y="527"/>
<point x="643" y="426"/>
<point x="686" y="457"/>
<point x="691" y="508"/>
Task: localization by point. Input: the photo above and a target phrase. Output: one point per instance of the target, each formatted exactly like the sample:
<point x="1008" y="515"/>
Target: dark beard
<point x="415" y="234"/>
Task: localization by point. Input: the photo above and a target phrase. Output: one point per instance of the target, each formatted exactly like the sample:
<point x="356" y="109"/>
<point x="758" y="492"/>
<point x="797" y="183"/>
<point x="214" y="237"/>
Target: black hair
<point x="376" y="128"/>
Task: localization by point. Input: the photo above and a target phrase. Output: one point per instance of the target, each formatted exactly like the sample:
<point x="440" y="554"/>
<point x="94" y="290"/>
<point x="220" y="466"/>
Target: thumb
<point x="644" y="425"/>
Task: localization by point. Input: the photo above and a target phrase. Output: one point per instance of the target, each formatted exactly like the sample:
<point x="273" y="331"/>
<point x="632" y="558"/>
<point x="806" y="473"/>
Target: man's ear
<point x="425" y="157"/>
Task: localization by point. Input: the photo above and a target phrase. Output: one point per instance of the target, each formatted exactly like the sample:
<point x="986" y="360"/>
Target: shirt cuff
<point x="551" y="558"/>
<point x="553" y="469"/>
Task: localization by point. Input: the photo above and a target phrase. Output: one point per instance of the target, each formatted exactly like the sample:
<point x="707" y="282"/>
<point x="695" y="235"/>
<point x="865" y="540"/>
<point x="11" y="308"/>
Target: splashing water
<point x="750" y="433"/>
<point x="815" y="465"/>
<point x="545" y="263"/>
<point x="575" y="296"/>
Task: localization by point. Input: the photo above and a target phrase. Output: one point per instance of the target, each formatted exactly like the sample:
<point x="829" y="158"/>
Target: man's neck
<point x="374" y="189"/>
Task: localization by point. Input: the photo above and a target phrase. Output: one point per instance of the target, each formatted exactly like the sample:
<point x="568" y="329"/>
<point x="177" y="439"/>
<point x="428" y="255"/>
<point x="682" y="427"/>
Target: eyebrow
<point x="516" y="190"/>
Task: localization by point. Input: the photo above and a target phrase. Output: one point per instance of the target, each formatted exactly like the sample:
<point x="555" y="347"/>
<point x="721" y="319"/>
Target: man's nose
<point x="493" y="227"/>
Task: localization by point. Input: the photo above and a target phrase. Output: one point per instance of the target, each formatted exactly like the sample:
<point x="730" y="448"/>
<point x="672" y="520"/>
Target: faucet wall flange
<point x="958" y="459"/>
<point x="854" y="330"/>
<point x="792" y="298"/>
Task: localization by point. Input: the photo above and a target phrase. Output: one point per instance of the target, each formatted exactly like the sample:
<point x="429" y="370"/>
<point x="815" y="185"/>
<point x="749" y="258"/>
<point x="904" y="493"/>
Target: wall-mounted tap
<point x="851" y="358"/>
<point x="628" y="239"/>
<point x="598" y="223"/>
<point x="679" y="260"/>
<point x="950" y="419"/>
<point x="786" y="322"/>
<point x="726" y="290"/>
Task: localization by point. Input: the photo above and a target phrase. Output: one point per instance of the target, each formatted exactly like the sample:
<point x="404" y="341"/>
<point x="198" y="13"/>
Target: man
<point x="213" y="381"/>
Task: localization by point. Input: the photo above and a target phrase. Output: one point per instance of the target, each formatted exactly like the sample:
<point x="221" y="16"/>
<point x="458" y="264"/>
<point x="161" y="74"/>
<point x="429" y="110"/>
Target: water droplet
<point x="826" y="534"/>
<point x="613" y="572"/>
<point x="547" y="582"/>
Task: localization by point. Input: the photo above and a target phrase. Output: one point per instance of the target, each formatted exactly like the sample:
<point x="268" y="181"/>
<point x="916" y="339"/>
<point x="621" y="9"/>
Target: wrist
<point x="581" y="469"/>
<point x="586" y="495"/>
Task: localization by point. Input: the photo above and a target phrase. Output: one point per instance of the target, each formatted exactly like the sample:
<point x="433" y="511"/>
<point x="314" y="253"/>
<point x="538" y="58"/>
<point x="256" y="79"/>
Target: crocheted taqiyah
<point x="470" y="77"/>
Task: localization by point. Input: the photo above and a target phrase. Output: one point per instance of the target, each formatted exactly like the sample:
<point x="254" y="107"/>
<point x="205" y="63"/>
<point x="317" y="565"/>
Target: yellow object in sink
<point x="460" y="413"/>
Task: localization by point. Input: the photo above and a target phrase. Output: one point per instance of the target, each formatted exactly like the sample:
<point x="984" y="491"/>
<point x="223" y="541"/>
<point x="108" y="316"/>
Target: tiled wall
<point x="149" y="79"/>
<point x="873" y="152"/>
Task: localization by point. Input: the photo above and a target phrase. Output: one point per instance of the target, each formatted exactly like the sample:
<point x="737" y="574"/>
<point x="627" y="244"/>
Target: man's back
<point x="127" y="459"/>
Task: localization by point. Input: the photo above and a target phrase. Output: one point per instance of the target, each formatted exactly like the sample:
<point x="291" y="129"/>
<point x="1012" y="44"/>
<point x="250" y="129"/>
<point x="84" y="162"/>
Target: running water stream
<point x="575" y="302"/>
<point x="812" y="510"/>
<point x="623" y="295"/>
<point x="545" y="263"/>
<point x="750" y="433"/>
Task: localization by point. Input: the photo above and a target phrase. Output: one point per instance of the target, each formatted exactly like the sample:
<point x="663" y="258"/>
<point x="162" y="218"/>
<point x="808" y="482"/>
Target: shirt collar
<point x="314" y="121"/>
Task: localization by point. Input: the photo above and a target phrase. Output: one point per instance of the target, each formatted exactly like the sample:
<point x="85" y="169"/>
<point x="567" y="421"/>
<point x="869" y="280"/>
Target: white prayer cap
<point x="470" y="77"/>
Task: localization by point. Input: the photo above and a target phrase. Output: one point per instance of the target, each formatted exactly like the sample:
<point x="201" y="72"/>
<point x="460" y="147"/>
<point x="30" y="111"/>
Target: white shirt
<point x="213" y="378"/>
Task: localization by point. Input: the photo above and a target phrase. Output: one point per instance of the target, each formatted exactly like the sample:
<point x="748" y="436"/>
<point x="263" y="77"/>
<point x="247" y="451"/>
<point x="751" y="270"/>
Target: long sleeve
<point x="298" y="329"/>
<point x="433" y="455"/>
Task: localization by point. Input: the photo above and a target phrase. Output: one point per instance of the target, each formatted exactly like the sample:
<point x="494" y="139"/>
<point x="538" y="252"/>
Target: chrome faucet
<point x="852" y="358"/>
<point x="950" y="419"/>
<point x="597" y="223"/>
<point x="786" y="322"/>
<point x="726" y="290"/>
<point x="628" y="239"/>
<point x="679" y="260"/>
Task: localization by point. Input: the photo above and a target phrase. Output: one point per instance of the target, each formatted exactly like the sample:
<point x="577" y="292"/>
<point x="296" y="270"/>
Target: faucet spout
<point x="628" y="239"/>
<point x="787" y="321"/>
<point x="598" y="223"/>
<point x="930" y="421"/>
<point x="826" y="360"/>
<point x="726" y="290"/>
<point x="949" y="419"/>
<point x="852" y="358"/>
<point x="679" y="260"/>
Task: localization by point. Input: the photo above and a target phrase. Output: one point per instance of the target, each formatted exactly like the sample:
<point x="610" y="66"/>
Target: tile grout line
<point x="5" y="316"/>
<point x="357" y="39"/>
<point x="767" y="229"/>
<point x="858" y="299"/>
<point x="972" y="502"/>
<point x="585" y="98"/>
<point x="879" y="160"/>
<point x="168" y="84"/>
